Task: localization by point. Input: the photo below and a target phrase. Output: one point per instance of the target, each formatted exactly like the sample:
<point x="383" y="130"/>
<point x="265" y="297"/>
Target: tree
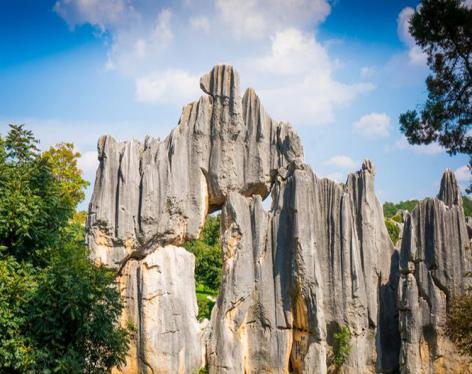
<point x="391" y="209"/>
<point x="443" y="29"/>
<point x="62" y="160"/>
<point x="208" y="265"/>
<point x="58" y="311"/>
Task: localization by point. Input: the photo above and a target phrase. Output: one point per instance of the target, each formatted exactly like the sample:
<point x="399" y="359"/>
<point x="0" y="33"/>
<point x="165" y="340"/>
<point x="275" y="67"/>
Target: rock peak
<point x="449" y="191"/>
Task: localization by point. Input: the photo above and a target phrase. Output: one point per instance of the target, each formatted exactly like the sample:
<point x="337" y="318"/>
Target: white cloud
<point x="100" y="13"/>
<point x="428" y="150"/>
<point x="200" y="24"/>
<point x="254" y="19"/>
<point x="157" y="46"/>
<point x="171" y="86"/>
<point x="463" y="174"/>
<point x="293" y="52"/>
<point x="342" y="161"/>
<point x="162" y="32"/>
<point x="373" y="125"/>
<point x="415" y="54"/>
<point x="308" y="92"/>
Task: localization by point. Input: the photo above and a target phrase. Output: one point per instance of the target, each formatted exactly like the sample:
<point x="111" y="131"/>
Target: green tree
<point x="81" y="307"/>
<point x="207" y="251"/>
<point x="391" y="209"/>
<point x="443" y="29"/>
<point x="62" y="160"/>
<point x="467" y="204"/>
<point x="58" y="312"/>
<point x="393" y="230"/>
<point x="17" y="284"/>
<point x="208" y="265"/>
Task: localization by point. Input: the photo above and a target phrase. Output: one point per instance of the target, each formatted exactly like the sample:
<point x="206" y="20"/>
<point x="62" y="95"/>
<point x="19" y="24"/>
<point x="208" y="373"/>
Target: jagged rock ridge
<point x="435" y="262"/>
<point x="318" y="259"/>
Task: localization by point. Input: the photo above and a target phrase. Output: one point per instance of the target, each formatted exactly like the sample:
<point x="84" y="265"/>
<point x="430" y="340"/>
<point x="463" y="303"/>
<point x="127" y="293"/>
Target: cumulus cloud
<point x="342" y="161"/>
<point x="101" y="13"/>
<point x="310" y="93"/>
<point x="415" y="54"/>
<point x="254" y="19"/>
<point x="172" y="86"/>
<point x="161" y="49"/>
<point x="373" y="125"/>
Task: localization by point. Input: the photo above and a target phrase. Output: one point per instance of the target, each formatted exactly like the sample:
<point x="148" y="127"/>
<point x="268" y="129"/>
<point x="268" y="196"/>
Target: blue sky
<point x="340" y="71"/>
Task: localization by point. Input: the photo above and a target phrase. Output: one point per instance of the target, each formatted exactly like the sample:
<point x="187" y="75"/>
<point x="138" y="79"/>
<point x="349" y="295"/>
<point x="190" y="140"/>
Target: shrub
<point x="393" y="231"/>
<point x="341" y="341"/>
<point x="459" y="322"/>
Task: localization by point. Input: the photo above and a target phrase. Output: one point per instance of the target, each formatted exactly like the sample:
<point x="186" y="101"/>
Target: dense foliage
<point x="341" y="341"/>
<point x="393" y="230"/>
<point x="58" y="312"/>
<point x="443" y="30"/>
<point x="208" y="265"/>
<point x="459" y="322"/>
<point x="467" y="204"/>
<point x="391" y="209"/>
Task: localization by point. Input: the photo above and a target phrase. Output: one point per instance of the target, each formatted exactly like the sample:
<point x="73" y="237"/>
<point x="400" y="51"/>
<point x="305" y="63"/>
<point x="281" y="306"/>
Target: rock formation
<point x="435" y="260"/>
<point x="319" y="259"/>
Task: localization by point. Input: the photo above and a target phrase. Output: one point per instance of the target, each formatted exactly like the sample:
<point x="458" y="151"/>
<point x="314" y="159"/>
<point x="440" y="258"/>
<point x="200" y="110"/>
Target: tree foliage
<point x="208" y="265"/>
<point x="459" y="322"/>
<point x="207" y="251"/>
<point x="58" y="312"/>
<point x="443" y="29"/>
<point x="467" y="204"/>
<point x="62" y="160"/>
<point x="393" y="230"/>
<point x="391" y="209"/>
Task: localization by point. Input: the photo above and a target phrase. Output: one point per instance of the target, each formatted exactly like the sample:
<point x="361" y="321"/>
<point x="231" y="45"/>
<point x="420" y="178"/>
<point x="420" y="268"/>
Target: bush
<point x="391" y="209"/>
<point x="341" y="341"/>
<point x="393" y="231"/>
<point x="459" y="322"/>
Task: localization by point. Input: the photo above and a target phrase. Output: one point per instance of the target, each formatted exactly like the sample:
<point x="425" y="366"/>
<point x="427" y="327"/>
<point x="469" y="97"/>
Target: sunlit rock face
<point x="319" y="259"/>
<point x="434" y="262"/>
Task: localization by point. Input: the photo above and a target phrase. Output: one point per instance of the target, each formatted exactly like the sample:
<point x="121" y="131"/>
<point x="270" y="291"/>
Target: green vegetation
<point x="58" y="312"/>
<point x="393" y="231"/>
<point x="391" y="209"/>
<point x="208" y="264"/>
<point x="341" y="341"/>
<point x="459" y="322"/>
<point x="443" y="30"/>
<point x="467" y="204"/>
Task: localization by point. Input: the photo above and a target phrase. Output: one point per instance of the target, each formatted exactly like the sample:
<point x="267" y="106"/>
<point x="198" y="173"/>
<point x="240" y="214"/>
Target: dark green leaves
<point x="443" y="29"/>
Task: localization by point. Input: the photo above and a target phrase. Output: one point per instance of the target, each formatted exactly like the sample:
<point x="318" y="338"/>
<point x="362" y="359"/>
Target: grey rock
<point x="434" y="261"/>
<point x="162" y="309"/>
<point x="319" y="259"/>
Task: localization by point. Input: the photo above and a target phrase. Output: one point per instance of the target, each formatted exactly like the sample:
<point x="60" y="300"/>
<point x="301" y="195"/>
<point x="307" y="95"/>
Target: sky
<point x="340" y="71"/>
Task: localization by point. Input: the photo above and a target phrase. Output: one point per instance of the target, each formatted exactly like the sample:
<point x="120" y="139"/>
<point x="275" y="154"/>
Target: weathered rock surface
<point x="320" y="258"/>
<point x="159" y="294"/>
<point x="434" y="261"/>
